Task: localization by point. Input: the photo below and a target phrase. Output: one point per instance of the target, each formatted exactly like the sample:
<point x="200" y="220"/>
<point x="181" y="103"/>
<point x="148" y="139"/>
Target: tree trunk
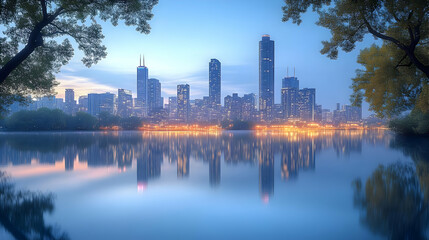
<point x="15" y="62"/>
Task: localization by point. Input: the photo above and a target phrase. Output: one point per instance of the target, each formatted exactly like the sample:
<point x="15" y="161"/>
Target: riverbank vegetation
<point x="56" y="120"/>
<point x="416" y="123"/>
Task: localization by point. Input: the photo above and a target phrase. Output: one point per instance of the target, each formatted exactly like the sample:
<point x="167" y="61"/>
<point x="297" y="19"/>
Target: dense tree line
<point x="56" y="120"/>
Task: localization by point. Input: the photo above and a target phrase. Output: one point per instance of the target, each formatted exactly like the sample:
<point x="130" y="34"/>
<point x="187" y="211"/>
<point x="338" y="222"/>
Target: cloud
<point x="81" y="85"/>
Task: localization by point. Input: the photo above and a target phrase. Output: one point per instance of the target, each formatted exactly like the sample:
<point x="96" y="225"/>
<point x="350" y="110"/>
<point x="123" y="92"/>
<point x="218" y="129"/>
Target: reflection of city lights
<point x="141" y="186"/>
<point x="266" y="198"/>
<point x="180" y="128"/>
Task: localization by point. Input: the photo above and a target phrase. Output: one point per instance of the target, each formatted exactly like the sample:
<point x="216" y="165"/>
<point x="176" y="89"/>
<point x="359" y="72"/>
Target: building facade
<point x="125" y="103"/>
<point x="215" y="82"/>
<point x="183" y="102"/>
<point x="70" y="103"/>
<point x="142" y="86"/>
<point x="266" y="77"/>
<point x="154" y="99"/>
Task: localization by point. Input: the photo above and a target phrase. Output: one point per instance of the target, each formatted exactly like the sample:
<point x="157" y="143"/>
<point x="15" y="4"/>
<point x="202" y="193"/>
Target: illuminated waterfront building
<point x="289" y="97"/>
<point x="233" y="107"/>
<point x="307" y="104"/>
<point x="172" y="107"/>
<point x="249" y="107"/>
<point x="183" y="102"/>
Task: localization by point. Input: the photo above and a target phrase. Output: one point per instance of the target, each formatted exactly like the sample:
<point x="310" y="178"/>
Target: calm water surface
<point x="230" y="185"/>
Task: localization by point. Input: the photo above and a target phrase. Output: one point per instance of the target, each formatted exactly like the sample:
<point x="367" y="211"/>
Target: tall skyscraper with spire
<point x="214" y="82"/>
<point x="142" y="82"/>
<point x="266" y="77"/>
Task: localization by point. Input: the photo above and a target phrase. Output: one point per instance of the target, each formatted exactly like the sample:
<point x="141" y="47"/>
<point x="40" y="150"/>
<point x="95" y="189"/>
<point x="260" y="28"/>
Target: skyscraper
<point x="142" y="84"/>
<point x="154" y="99"/>
<point x="172" y="107"/>
<point x="103" y="102"/>
<point x="69" y="101"/>
<point x="266" y="77"/>
<point x="307" y="104"/>
<point x="125" y="103"/>
<point x="290" y="82"/>
<point x="249" y="106"/>
<point x="183" y="102"/>
<point x="290" y="97"/>
<point x="233" y="107"/>
<point x="290" y="102"/>
<point x="214" y="82"/>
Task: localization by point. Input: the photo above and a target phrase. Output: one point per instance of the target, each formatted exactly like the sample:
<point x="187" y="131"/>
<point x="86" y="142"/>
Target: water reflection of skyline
<point x="297" y="151"/>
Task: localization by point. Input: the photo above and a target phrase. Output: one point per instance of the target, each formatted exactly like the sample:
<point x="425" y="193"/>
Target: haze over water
<point x="234" y="185"/>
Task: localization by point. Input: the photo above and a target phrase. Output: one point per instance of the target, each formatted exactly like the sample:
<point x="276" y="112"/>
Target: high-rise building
<point x="214" y="82"/>
<point x="289" y="97"/>
<point x="59" y="103"/>
<point x="327" y="116"/>
<point x="125" y="103"/>
<point x="70" y="103"/>
<point x="266" y="77"/>
<point x="183" y="102"/>
<point x="249" y="107"/>
<point x="142" y="85"/>
<point x="154" y="98"/>
<point x="46" y="102"/>
<point x="318" y="111"/>
<point x="172" y="107"/>
<point x="233" y="107"/>
<point x="290" y="82"/>
<point x="83" y="104"/>
<point x="353" y="113"/>
<point x="107" y="102"/>
<point x="94" y="104"/>
<point x="97" y="103"/>
<point x="307" y="104"/>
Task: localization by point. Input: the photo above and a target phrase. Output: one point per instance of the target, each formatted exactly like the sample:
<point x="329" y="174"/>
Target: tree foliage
<point x="37" y="39"/>
<point x="396" y="74"/>
<point x="50" y="120"/>
<point x="390" y="90"/>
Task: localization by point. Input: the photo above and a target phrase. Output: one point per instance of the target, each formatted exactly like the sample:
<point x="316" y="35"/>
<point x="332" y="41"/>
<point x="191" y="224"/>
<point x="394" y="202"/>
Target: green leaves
<point x="395" y="75"/>
<point x="55" y="21"/>
<point x="390" y="89"/>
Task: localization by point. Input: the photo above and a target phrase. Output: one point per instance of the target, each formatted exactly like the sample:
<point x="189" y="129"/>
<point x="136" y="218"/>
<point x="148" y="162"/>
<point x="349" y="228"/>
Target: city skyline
<point x="296" y="104"/>
<point x="178" y="52"/>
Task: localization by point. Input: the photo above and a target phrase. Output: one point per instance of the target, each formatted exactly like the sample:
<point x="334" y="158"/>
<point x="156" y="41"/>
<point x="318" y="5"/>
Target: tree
<point x="30" y="47"/>
<point x="403" y="26"/>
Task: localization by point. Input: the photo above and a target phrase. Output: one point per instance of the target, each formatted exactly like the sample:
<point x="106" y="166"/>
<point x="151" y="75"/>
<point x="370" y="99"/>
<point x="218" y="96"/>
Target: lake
<point x="357" y="184"/>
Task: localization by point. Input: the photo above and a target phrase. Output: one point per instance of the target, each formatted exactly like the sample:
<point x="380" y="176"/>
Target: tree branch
<point x="44" y="11"/>
<point x="402" y="59"/>
<point x="34" y="40"/>
<point x="382" y="36"/>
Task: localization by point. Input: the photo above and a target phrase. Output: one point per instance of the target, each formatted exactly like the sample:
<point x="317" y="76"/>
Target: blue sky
<point x="186" y="34"/>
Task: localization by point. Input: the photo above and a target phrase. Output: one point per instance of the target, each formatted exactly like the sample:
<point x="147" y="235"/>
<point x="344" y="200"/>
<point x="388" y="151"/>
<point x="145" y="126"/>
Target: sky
<point x="186" y="34"/>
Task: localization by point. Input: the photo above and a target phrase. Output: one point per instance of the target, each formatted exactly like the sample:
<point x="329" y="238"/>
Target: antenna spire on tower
<point x="287" y="72"/>
<point x="143" y="61"/>
<point x="140" y="60"/>
<point x="293" y="72"/>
